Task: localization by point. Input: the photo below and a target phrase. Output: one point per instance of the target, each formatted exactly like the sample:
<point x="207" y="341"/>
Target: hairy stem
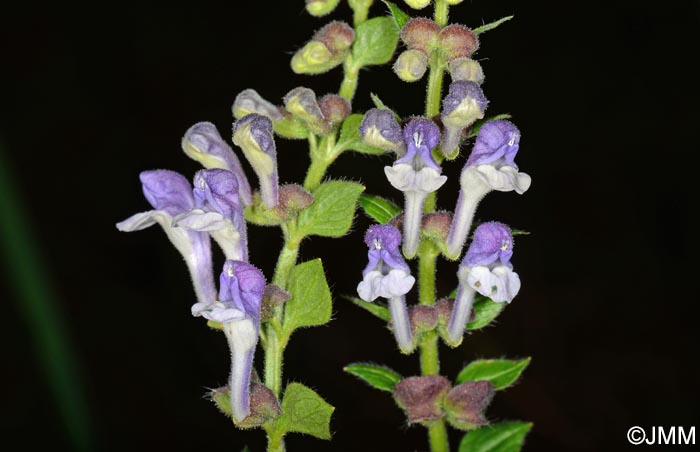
<point x="434" y="95"/>
<point x="321" y="158"/>
<point x="442" y="10"/>
<point x="349" y="84"/>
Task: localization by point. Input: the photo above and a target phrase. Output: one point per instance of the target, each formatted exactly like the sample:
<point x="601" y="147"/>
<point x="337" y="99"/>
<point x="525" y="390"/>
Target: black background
<point x="605" y="94"/>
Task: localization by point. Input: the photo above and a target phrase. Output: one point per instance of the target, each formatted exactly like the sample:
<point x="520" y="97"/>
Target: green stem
<point x="437" y="435"/>
<point x="427" y="259"/>
<point x="349" y="84"/>
<point x="437" y="71"/>
<point x="275" y="442"/>
<point x="321" y="158"/>
<point x="442" y="10"/>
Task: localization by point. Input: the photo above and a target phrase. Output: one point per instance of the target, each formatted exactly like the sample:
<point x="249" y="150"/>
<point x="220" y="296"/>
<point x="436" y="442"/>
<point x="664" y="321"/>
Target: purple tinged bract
<point x="497" y="140"/>
<point x="492" y="243"/>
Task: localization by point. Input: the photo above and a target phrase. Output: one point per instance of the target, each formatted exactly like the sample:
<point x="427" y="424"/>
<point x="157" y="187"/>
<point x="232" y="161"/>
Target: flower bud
<point x="203" y="143"/>
<point x="411" y="65"/>
<point x="380" y="129"/>
<point x="465" y="404"/>
<point x="464" y="104"/>
<point x="420" y="34"/>
<point x="319" y="8"/>
<point x="301" y="102"/>
<point x="326" y="50"/>
<point x="337" y="36"/>
<point x="417" y="4"/>
<point x="421" y="397"/>
<point x="334" y="109"/>
<point x="249" y="101"/>
<point x="466" y="69"/>
<point x="458" y="41"/>
<point x="253" y="134"/>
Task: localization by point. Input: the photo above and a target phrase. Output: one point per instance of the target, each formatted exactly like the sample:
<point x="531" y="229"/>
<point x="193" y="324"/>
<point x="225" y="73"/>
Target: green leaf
<point x="382" y="106"/>
<point x="350" y="138"/>
<point x="500" y="372"/>
<point x="379" y="377"/>
<point x="222" y="400"/>
<point x="332" y="211"/>
<point x="310" y="304"/>
<point x="485" y="311"/>
<point x="375" y="41"/>
<point x="374" y="308"/>
<point x="491" y="25"/>
<point x="515" y="232"/>
<point x="400" y="17"/>
<point x="379" y="209"/>
<point x="503" y="437"/>
<point x="304" y="411"/>
<point x="477" y="125"/>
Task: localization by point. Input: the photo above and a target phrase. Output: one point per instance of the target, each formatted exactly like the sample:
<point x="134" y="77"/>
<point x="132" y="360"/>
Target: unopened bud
<point x="465" y="404"/>
<point x="301" y="102"/>
<point x="420" y="34"/>
<point x="319" y="8"/>
<point x="337" y="36"/>
<point x="463" y="105"/>
<point x="421" y="397"/>
<point x="314" y="58"/>
<point x="458" y="41"/>
<point x="380" y="129"/>
<point x="334" y="109"/>
<point x="249" y="101"/>
<point x="253" y="134"/>
<point x="417" y="4"/>
<point x="467" y="70"/>
<point x="411" y="65"/>
<point x="294" y="198"/>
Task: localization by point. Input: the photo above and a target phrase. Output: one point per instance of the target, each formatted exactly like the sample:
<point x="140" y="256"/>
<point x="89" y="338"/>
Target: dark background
<point x="605" y="94"/>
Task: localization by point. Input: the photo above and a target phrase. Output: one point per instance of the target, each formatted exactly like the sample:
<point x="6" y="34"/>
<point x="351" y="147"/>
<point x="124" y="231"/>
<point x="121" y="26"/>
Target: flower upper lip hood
<point x="167" y="191"/>
<point x="216" y="188"/>
<point x="421" y="136"/>
<point x="383" y="242"/>
<point x="496" y="141"/>
<point x="492" y="242"/>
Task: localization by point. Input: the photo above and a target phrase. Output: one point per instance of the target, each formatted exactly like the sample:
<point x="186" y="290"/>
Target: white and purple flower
<point x="388" y="276"/>
<point x="485" y="269"/>
<point x="170" y="194"/>
<point x="417" y="175"/>
<point x="218" y="211"/>
<point x="490" y="166"/>
<point x="241" y="288"/>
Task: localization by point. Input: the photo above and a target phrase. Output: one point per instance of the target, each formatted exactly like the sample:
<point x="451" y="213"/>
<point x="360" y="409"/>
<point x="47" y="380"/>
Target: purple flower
<point x="485" y="269"/>
<point x="416" y="174"/>
<point x="203" y="143"/>
<point x="218" y="211"/>
<point x="254" y="135"/>
<point x="388" y="276"/>
<point x="464" y="104"/>
<point x="170" y="195"/>
<point x="380" y="129"/>
<point x="497" y="141"/>
<point x="238" y="308"/>
<point x="490" y="167"/>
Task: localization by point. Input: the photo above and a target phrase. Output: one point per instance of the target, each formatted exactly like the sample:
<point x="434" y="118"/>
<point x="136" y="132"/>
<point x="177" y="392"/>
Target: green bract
<point x="310" y="304"/>
<point x="332" y="211"/>
<point x="500" y="372"/>
<point x="504" y="437"/>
